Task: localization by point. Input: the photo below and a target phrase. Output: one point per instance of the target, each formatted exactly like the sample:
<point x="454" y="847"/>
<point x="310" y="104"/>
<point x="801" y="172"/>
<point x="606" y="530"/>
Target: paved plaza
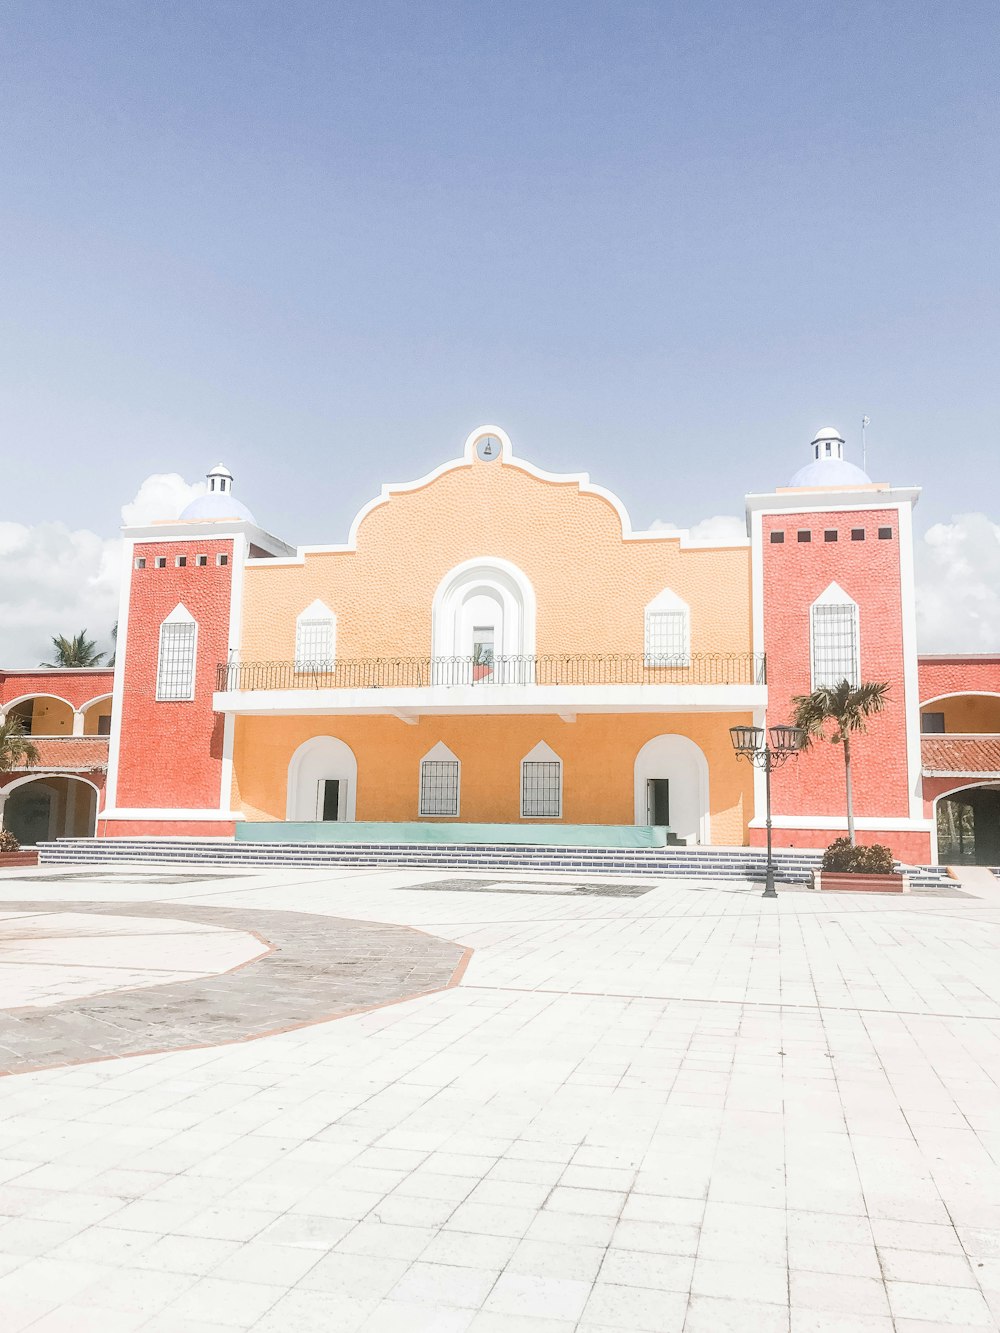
<point x="319" y="1101"/>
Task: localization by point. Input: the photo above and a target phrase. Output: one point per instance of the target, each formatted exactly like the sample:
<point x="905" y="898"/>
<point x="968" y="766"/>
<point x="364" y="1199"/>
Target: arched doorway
<point x="968" y="826"/>
<point x="322" y="781"/>
<point x="38" y="809"/>
<point x="671" y="788"/>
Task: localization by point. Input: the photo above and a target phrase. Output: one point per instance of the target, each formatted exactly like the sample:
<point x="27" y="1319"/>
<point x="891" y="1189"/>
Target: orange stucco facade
<point x="591" y="584"/>
<point x="598" y="754"/>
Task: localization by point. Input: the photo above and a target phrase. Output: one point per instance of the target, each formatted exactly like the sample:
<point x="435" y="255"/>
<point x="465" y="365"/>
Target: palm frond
<point x="16" y="749"/>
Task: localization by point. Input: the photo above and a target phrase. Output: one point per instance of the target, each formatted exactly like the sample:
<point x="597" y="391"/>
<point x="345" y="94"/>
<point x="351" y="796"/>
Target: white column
<point x="78" y="722"/>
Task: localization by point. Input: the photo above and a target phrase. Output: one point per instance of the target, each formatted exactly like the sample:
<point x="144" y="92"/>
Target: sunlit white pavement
<point x="690" y="1110"/>
<point x="51" y="957"/>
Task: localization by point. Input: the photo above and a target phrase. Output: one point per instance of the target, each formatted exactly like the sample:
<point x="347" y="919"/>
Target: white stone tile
<point x="548" y="1297"/>
<point x="640" y="1310"/>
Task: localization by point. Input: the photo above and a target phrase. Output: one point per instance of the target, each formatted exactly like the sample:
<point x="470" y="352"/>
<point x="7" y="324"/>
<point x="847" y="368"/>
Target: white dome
<point x="828" y="433"/>
<point x="830" y="472"/>
<point x="218" y="505"/>
<point x="215" y="507"/>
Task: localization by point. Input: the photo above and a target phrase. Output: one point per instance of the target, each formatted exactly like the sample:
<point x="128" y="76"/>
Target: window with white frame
<point x="541" y="784"/>
<point x="315" y="638"/>
<point x="834" y="639"/>
<point x="668" y="631"/>
<point x="440" y="774"/>
<point x="176" y="663"/>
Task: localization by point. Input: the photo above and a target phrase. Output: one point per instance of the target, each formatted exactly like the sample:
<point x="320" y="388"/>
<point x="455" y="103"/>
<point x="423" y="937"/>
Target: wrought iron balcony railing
<point x="546" y="669"/>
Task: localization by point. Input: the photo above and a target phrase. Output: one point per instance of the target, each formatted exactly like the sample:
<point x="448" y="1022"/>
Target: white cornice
<point x="194" y="531"/>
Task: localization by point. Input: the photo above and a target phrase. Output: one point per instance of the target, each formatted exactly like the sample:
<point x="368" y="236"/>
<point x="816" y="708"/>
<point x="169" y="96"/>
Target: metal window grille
<point x="667" y="638"/>
<point x="835" y="644"/>
<point x="175" y="670"/>
<point x="314" y="645"/>
<point x="439" y="787"/>
<point x="541" y="788"/>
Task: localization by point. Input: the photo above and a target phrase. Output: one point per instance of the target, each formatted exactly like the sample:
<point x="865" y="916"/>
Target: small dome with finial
<point x="219" y="505"/>
<point x="828" y="466"/>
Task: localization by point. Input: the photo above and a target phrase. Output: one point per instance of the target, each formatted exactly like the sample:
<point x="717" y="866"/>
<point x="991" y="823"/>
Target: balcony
<point x="565" y="684"/>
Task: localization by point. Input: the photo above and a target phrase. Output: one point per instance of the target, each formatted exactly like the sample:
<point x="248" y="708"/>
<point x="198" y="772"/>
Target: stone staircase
<point x="682" y="862"/>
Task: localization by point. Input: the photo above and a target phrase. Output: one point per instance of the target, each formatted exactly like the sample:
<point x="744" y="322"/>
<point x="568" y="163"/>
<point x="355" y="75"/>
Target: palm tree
<point x="848" y="707"/>
<point x="16" y="750"/>
<point x="75" y="652"/>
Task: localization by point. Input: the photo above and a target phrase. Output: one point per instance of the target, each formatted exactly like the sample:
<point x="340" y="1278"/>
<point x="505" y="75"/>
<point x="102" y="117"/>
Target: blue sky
<point x="659" y="242"/>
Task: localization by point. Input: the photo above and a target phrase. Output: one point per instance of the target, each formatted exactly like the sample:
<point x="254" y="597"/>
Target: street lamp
<point x="752" y="743"/>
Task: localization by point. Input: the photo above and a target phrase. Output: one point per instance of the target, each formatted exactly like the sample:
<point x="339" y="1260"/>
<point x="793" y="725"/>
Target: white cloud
<point x="163" y="495"/>
<point x="58" y="580"/>
<point x="720" y="528"/>
<point x="958" y="586"/>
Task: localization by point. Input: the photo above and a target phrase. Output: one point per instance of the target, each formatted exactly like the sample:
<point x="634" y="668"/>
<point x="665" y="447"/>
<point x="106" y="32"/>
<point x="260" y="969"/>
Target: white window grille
<point x="668" y="631"/>
<point x="315" y="639"/>
<point x="667" y="639"/>
<point x="834" y="634"/>
<point x="176" y="665"/>
<point x="541" y="784"/>
<point x="439" y="787"/>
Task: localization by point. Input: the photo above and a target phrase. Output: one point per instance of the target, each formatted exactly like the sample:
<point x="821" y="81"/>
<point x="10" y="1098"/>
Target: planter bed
<point x="850" y="881"/>
<point x="18" y="859"/>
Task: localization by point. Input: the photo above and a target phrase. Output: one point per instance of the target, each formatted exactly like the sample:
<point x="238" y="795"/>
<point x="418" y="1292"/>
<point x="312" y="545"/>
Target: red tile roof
<point x="960" y="754"/>
<point x="83" y="753"/>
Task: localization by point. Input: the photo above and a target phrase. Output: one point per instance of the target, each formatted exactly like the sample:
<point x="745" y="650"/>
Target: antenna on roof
<point x="865" y="423"/>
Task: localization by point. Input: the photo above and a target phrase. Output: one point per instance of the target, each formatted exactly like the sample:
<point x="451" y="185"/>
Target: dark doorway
<point x="968" y="827"/>
<point x="658" y="800"/>
<point x="330" y="799"/>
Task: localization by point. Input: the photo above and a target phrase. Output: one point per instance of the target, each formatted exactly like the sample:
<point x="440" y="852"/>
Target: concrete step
<point x="685" y="862"/>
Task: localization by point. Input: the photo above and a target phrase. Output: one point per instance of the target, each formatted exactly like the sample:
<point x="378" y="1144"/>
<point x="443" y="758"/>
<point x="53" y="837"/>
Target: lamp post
<point x="767" y="750"/>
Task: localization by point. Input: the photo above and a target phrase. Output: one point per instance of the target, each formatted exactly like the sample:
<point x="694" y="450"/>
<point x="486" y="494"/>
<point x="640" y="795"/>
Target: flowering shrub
<point x="8" y="843"/>
<point x="875" y="859"/>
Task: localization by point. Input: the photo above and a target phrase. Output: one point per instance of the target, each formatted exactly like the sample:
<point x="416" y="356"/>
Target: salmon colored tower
<point x="170" y="763"/>
<point x="833" y="600"/>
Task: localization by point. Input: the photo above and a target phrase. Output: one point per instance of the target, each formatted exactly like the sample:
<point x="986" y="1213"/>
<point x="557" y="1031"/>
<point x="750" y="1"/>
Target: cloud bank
<point x="958" y="586"/>
<point x="59" y="580"/>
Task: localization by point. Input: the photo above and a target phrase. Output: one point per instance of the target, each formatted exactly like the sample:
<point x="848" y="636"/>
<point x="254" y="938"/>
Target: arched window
<point x="178" y="648"/>
<point x="835" y="649"/>
<point x="315" y="638"/>
<point x="440" y="779"/>
<point x="668" y="631"/>
<point x="541" y="784"/>
<point x="483" y="625"/>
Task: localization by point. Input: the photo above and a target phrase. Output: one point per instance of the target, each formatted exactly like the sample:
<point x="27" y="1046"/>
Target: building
<point x="67" y="714"/>
<point x="494" y="644"/>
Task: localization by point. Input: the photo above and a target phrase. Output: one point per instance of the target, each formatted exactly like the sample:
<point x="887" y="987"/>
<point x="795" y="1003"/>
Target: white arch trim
<point x="683" y="762"/>
<point x="961" y="694"/>
<point x="98" y="699"/>
<point x="317" y="759"/>
<point x="508" y="458"/>
<point x="38" y="694"/>
<point x="44" y="773"/>
<point x="498" y="576"/>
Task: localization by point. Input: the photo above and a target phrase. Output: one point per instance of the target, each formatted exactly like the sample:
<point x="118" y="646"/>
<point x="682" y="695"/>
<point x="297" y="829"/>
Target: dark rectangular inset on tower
<point x="857" y="534"/>
<point x="777" y="538"/>
<point x="885" y="534"/>
<point x="830" y="535"/>
<point x="804" y="535"/>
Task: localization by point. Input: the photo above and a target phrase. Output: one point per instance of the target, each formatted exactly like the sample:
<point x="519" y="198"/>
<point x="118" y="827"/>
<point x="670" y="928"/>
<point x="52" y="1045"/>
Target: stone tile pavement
<point x="688" y="1111"/>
